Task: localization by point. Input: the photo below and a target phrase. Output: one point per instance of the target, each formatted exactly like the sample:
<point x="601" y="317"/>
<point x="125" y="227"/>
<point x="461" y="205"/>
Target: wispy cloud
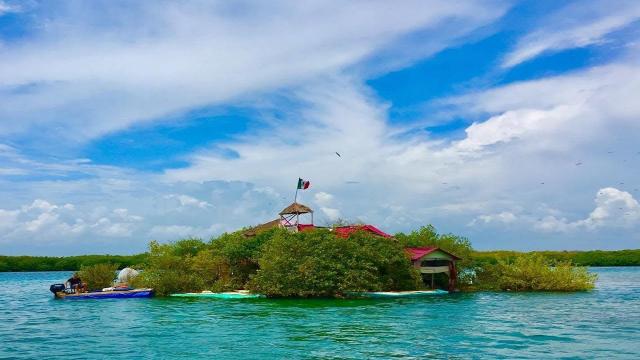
<point x="576" y="25"/>
<point x="6" y="8"/>
<point x="79" y="79"/>
<point x="531" y="162"/>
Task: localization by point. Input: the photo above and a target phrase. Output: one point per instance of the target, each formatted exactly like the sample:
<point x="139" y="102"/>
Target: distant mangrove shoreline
<point x="72" y="263"/>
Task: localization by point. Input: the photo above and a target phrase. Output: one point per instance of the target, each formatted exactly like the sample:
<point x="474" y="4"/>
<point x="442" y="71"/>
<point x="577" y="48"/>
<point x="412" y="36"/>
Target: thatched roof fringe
<point x="296" y="208"/>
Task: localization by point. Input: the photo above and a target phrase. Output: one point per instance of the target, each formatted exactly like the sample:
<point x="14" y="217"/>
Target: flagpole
<point x="295" y="198"/>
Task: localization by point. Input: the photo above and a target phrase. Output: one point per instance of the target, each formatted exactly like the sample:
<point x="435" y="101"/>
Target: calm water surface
<point x="604" y="323"/>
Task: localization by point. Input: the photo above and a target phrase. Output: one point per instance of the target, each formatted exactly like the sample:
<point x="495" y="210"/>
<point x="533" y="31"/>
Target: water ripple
<point x="604" y="323"/>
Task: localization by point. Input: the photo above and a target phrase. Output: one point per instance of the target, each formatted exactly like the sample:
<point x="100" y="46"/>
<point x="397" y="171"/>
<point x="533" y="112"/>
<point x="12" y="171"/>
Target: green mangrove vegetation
<point x="66" y="263"/>
<point x="72" y="263"/>
<point x="581" y="258"/>
<point x="98" y="276"/>
<point x="318" y="263"/>
<point x="279" y="263"/>
<point x="276" y="262"/>
<point x="531" y="272"/>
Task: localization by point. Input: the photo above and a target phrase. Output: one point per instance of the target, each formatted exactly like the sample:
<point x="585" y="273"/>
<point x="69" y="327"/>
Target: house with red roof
<point x="433" y="260"/>
<point x="428" y="260"/>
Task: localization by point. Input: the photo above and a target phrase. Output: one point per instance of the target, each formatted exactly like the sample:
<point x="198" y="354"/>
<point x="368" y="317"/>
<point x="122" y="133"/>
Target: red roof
<point x="345" y="231"/>
<point x="303" y="227"/>
<point x="418" y="252"/>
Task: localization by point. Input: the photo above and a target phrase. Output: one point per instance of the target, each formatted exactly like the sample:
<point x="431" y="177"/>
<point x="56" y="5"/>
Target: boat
<point x="396" y="294"/>
<point x="110" y="293"/>
<point x="238" y="294"/>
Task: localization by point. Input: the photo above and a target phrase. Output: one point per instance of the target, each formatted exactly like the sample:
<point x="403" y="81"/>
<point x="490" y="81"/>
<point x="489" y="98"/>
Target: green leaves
<point x="98" y="276"/>
<point x="534" y="272"/>
<point x="317" y="263"/>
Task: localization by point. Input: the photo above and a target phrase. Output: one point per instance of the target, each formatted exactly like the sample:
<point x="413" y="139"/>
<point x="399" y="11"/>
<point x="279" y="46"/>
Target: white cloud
<point x="79" y="79"/>
<point x="6" y="8"/>
<point x="187" y="201"/>
<point x="331" y="213"/>
<point x="8" y="218"/>
<point x="323" y="198"/>
<point x="511" y="125"/>
<point x="521" y="155"/>
<point x="44" y="221"/>
<point x="577" y="25"/>
<point x="504" y="217"/>
<point x="404" y="181"/>
<point x="614" y="208"/>
<point x="173" y="232"/>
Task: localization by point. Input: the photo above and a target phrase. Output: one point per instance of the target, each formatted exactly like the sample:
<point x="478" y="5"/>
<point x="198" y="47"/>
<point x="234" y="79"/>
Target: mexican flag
<point x="303" y="184"/>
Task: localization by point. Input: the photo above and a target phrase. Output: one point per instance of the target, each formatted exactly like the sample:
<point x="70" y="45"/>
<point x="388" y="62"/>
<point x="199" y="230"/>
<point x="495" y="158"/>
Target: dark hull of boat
<point x="128" y="294"/>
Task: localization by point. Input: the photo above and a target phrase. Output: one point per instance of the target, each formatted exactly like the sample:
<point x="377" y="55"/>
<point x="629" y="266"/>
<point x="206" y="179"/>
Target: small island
<point x="288" y="257"/>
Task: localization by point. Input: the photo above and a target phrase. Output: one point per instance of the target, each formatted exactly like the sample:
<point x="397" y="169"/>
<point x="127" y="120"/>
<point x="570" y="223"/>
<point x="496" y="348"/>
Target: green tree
<point x="534" y="272"/>
<point x="318" y="263"/>
<point x="98" y="276"/>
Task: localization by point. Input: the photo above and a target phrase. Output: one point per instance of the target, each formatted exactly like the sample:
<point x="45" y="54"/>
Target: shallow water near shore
<point x="604" y="323"/>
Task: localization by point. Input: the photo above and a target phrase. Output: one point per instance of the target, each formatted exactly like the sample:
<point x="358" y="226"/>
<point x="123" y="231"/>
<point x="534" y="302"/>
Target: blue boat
<point x="110" y="294"/>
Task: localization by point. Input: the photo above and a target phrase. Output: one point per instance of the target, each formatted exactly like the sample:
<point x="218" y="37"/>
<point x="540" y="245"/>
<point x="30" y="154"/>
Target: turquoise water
<point x="604" y="323"/>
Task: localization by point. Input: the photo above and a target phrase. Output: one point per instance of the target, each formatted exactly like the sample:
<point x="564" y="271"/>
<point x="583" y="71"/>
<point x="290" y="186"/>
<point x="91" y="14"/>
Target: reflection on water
<point x="604" y="323"/>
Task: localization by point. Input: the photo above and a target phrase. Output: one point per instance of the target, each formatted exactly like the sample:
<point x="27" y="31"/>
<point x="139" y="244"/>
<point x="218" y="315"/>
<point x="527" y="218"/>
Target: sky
<point x="513" y="123"/>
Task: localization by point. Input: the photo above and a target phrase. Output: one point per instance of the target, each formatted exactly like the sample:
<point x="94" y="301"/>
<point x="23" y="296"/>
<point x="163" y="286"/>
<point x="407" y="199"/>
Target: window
<point x="432" y="263"/>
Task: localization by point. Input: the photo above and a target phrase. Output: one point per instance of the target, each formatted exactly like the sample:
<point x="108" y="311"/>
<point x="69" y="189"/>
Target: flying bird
<point x="579" y="163"/>
<point x="337" y="153"/>
<point x="352" y="182"/>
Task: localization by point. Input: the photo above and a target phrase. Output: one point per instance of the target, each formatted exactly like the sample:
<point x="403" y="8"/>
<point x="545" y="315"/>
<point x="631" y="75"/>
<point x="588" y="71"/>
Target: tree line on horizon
<point x="9" y="263"/>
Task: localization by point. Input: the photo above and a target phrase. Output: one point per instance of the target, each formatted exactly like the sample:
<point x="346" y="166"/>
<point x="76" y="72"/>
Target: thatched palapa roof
<point x="262" y="227"/>
<point x="296" y="208"/>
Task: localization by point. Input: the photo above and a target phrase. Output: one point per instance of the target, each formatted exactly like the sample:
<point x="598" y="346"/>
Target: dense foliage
<point x="533" y="272"/>
<point x="98" y="276"/>
<point x="582" y="258"/>
<point x="67" y="263"/>
<point x="280" y="263"/>
<point x="317" y="263"/>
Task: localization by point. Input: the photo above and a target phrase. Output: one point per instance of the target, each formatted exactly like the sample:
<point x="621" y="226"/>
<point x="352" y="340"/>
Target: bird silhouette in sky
<point x="352" y="182"/>
<point x="337" y="153"/>
<point x="579" y="163"/>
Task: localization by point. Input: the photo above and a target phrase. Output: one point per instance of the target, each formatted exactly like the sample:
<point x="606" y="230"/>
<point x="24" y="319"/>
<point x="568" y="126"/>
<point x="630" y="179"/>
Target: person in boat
<point x="76" y="283"/>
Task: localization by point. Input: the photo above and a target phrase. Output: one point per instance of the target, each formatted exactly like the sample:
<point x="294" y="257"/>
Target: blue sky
<point x="513" y="123"/>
